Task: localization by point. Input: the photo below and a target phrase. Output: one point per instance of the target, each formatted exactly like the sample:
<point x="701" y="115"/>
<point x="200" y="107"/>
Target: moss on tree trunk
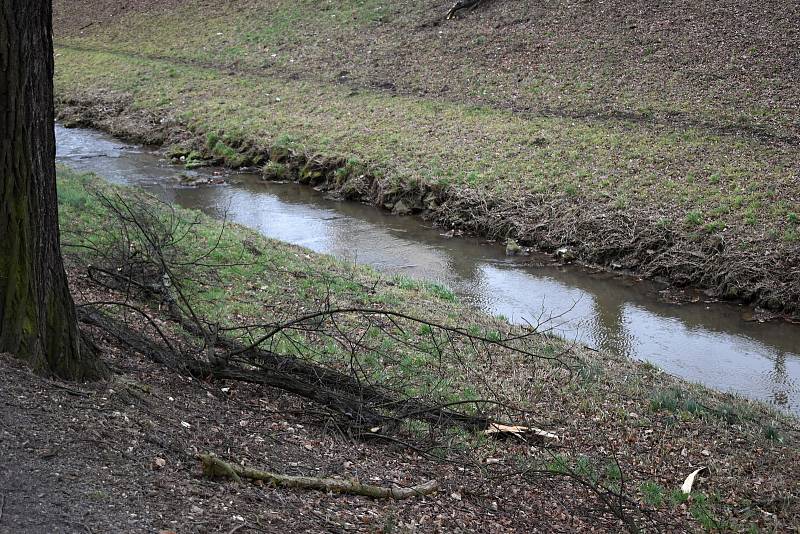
<point x="37" y="314"/>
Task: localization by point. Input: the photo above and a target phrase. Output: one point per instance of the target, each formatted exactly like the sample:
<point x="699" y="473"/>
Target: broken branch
<point x="213" y="467"/>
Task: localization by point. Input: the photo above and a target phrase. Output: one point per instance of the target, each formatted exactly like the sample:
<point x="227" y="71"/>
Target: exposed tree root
<point x="213" y="467"/>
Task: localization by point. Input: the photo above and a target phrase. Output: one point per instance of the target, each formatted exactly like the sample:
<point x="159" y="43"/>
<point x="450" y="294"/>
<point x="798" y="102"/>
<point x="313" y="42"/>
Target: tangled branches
<point x="371" y="367"/>
<point x="426" y="383"/>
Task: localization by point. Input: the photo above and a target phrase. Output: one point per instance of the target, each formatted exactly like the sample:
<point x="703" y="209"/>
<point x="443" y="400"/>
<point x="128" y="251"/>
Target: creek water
<point x="716" y="344"/>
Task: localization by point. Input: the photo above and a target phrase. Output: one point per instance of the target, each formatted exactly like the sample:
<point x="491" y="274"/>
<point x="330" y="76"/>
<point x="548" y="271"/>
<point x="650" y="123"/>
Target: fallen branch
<point x="462" y="4"/>
<point x="213" y="467"/>
<point x="364" y="406"/>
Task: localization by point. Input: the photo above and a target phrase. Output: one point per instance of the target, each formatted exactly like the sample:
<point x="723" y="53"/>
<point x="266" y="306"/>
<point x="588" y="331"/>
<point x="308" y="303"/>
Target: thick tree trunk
<point x="37" y="314"/>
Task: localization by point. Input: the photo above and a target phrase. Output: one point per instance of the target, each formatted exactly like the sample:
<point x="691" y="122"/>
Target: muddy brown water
<point x="711" y="343"/>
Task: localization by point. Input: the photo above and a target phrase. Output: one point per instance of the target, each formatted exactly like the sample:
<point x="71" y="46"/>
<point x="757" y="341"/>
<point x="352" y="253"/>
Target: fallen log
<point x="213" y="467"/>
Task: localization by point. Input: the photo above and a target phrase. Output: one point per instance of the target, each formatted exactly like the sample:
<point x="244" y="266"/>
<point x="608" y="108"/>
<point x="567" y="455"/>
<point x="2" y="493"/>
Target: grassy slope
<point x="627" y="113"/>
<point x="657" y="426"/>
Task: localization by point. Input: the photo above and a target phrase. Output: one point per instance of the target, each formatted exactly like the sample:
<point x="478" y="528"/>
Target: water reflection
<point x="707" y="343"/>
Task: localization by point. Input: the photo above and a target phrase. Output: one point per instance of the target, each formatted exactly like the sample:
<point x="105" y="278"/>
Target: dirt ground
<point x="88" y="458"/>
<point x="119" y="455"/>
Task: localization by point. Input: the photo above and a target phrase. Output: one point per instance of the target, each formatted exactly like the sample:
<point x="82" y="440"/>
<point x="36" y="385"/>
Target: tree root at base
<point x="213" y="467"/>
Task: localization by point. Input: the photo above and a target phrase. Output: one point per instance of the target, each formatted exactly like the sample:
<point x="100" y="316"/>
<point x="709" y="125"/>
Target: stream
<point x="716" y="344"/>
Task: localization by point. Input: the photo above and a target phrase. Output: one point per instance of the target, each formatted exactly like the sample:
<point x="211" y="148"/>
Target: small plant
<point x="793" y="218"/>
<point x="441" y="291"/>
<point x="494" y="336"/>
<point x="691" y="406"/>
<point x="652" y="493"/>
<point x="473" y="177"/>
<point x="772" y="433"/>
<point x="558" y="464"/>
<point x="275" y="171"/>
<point x="211" y="140"/>
<point x="675" y="400"/>
<point x="194" y="160"/>
<point x="714" y="227"/>
<point x="285" y="140"/>
<point x="694" y="218"/>
<point x="729" y="413"/>
<point x="701" y="511"/>
<point x="584" y="468"/>
<point x="751" y="216"/>
<point x="613" y="472"/>
<point x="665" y="400"/>
<point x="405" y="282"/>
<point x="677" y="497"/>
<point x="571" y="190"/>
<point x="589" y="372"/>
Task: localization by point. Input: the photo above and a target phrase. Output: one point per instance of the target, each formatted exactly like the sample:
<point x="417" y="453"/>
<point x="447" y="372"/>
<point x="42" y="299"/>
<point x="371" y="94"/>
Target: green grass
<point x="297" y="75"/>
<point x="269" y="281"/>
<point x="609" y="162"/>
<point x="652" y="492"/>
<point x="239" y="283"/>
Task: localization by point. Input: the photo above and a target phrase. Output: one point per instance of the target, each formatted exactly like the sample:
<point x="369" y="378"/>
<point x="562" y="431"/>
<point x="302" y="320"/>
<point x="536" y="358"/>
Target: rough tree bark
<point x="37" y="314"/>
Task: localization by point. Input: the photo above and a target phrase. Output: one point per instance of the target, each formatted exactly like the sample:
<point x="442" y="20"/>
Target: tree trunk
<point x="37" y="314"/>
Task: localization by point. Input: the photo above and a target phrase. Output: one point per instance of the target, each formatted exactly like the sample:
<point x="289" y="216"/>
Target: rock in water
<point x="566" y="254"/>
<point x="513" y="248"/>
<point x="400" y="208"/>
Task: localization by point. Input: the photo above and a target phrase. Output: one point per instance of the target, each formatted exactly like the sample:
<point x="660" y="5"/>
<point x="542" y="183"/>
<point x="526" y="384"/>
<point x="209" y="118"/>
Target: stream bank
<point x="720" y="344"/>
<point x="630" y="240"/>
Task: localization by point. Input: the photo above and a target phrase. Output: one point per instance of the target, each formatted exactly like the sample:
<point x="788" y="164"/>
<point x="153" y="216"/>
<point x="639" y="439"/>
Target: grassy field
<point x="633" y="140"/>
<point x="618" y="421"/>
